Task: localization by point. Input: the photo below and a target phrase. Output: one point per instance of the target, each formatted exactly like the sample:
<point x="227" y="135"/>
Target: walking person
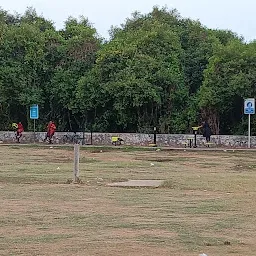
<point x="19" y="132"/>
<point x="51" y="128"/>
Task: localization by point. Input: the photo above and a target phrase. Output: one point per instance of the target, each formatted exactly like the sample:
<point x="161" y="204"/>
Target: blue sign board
<point x="34" y="112"/>
<point x="249" y="106"/>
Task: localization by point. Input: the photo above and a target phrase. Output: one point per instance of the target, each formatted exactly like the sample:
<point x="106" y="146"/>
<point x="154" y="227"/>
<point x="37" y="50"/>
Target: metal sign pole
<point x="34" y="114"/>
<point x="249" y="131"/>
<point x="249" y="109"/>
<point x="34" y="130"/>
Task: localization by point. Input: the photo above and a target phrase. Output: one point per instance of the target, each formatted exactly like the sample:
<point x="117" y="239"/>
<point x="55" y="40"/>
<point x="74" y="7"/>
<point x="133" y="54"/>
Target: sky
<point x="236" y="15"/>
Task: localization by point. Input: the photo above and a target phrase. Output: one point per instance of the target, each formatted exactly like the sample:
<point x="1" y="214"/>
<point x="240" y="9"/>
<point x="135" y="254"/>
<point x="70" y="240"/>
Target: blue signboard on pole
<point x="249" y="106"/>
<point x="34" y="112"/>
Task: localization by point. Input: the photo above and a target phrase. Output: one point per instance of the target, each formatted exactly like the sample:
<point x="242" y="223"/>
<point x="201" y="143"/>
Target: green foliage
<point x="157" y="69"/>
<point x="229" y="78"/>
<point x="143" y="76"/>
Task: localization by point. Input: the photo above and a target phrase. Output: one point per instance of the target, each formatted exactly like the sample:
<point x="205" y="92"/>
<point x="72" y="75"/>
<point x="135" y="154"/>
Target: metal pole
<point x="83" y="138"/>
<point x="155" y="135"/>
<point x="249" y="131"/>
<point x="195" y="146"/>
<point x="34" y="130"/>
<point x="76" y="162"/>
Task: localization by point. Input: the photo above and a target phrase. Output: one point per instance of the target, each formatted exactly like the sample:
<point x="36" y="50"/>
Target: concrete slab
<point x="138" y="183"/>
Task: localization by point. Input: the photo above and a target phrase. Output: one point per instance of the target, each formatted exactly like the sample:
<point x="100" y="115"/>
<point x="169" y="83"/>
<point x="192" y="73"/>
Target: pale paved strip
<point x="138" y="183"/>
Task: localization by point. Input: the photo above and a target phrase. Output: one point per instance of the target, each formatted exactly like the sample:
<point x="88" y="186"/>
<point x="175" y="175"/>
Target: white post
<point x="34" y="130"/>
<point x="76" y="162"/>
<point x="249" y="131"/>
<point x="249" y="108"/>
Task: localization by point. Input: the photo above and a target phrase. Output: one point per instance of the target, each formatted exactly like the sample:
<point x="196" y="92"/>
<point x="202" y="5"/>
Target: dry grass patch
<point x="207" y="203"/>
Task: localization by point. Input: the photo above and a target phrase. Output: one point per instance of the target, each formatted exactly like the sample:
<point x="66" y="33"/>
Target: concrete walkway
<point x="137" y="183"/>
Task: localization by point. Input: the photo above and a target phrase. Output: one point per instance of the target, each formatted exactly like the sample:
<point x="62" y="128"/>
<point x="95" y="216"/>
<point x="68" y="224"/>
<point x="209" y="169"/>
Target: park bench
<point x="209" y="144"/>
<point x="116" y="140"/>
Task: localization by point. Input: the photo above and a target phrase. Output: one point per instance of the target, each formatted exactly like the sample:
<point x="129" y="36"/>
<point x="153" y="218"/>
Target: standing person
<point x="51" y="128"/>
<point x="19" y="131"/>
<point x="207" y="131"/>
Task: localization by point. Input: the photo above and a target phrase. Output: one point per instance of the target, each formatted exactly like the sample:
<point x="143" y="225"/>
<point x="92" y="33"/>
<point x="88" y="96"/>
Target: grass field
<point x="206" y="205"/>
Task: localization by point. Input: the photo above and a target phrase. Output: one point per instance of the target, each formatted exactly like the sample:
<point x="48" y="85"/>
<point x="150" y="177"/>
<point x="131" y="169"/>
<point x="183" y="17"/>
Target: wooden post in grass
<point x="76" y="162"/>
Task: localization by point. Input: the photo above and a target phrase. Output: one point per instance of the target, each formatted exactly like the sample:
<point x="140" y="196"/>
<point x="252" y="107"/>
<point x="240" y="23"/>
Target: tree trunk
<point x="212" y="116"/>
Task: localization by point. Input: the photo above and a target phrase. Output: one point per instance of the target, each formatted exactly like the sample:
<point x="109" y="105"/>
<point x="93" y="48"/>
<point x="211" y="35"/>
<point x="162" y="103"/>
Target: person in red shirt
<point x="51" y="128"/>
<point x="19" y="132"/>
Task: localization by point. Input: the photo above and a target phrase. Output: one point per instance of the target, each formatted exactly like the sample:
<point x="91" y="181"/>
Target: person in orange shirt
<point x="51" y="128"/>
<point x="19" y="132"/>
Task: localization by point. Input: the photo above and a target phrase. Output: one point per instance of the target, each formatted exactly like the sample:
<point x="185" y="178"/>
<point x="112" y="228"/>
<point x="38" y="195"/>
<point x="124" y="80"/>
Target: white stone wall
<point x="169" y="140"/>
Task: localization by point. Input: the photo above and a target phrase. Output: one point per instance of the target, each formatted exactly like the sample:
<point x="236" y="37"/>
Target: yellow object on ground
<point x="115" y="139"/>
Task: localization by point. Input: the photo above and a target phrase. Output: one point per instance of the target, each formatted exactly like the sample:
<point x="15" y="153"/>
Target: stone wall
<point x="171" y="140"/>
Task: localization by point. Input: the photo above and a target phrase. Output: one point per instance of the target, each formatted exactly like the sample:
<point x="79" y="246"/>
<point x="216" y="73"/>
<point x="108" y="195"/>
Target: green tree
<point x="20" y="68"/>
<point x="229" y="78"/>
<point x="76" y="51"/>
<point x="142" y="74"/>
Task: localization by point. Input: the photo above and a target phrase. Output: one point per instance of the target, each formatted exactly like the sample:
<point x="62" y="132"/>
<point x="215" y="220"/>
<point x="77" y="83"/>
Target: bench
<point x="116" y="140"/>
<point x="208" y="144"/>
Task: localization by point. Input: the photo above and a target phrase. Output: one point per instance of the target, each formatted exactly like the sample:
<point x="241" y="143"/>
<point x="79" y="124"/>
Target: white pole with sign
<point x="34" y="114"/>
<point x="249" y="109"/>
<point x="249" y="131"/>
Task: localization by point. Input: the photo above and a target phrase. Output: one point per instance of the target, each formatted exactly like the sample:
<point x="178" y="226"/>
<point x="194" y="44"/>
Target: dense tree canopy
<point x="157" y="69"/>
